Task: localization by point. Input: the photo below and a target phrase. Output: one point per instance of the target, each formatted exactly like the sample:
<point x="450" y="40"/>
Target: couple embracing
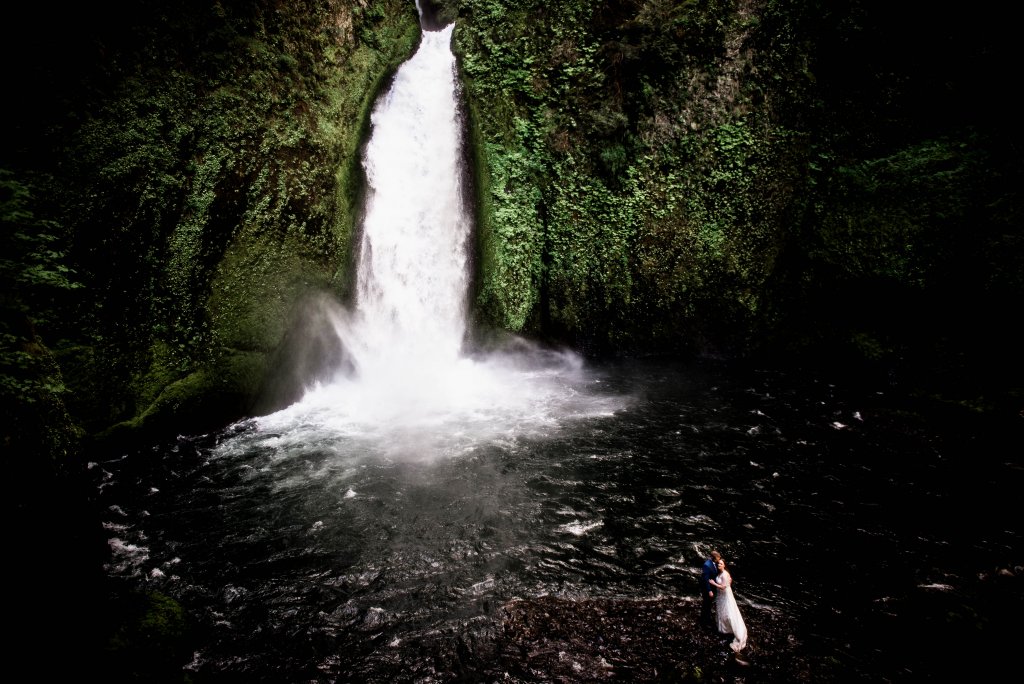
<point x="716" y="588"/>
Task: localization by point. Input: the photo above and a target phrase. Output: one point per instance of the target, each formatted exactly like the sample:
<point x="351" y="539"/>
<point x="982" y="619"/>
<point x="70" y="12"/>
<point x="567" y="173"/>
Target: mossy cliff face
<point x="726" y="176"/>
<point x="634" y="188"/>
<point x="200" y="162"/>
<point x="714" y="176"/>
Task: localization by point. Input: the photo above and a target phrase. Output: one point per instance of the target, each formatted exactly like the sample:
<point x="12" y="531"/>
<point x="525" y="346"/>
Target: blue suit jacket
<point x="709" y="572"/>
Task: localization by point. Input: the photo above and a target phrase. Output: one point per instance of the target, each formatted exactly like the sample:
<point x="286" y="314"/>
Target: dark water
<point x="872" y="537"/>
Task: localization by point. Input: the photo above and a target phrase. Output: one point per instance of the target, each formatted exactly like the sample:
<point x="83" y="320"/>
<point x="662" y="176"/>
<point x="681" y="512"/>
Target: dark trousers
<point x="705" y="608"/>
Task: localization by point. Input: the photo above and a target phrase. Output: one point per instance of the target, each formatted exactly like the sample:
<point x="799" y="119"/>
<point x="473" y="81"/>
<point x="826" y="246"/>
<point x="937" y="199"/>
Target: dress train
<point x="728" y="614"/>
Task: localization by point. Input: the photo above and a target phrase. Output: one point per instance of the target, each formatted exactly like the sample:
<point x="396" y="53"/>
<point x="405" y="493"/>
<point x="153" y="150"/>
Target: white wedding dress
<point x="728" y="613"/>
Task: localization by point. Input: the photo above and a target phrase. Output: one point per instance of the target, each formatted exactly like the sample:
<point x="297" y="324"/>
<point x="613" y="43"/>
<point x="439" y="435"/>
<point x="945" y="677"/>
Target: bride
<point x="728" y="613"/>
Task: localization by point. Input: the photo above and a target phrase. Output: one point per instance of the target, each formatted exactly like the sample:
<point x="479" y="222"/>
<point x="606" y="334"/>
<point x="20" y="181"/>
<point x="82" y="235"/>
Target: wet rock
<point x="611" y="639"/>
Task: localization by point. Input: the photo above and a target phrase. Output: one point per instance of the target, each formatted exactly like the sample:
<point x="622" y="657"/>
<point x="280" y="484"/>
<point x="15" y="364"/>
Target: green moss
<point x="209" y="176"/>
<point x="256" y="288"/>
<point x="207" y="399"/>
<point x="150" y="640"/>
<point x="630" y="183"/>
<point x="897" y="217"/>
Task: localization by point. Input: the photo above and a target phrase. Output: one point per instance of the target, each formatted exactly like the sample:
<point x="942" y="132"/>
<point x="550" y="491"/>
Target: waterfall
<point x="407" y="384"/>
<point x="410" y="310"/>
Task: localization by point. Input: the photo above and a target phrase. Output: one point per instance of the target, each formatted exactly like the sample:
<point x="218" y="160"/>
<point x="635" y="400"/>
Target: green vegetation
<point x="694" y="176"/>
<point x="206" y="178"/>
<point x="34" y="281"/>
<point x="150" y="641"/>
<point x="633" y="188"/>
<point x="742" y="177"/>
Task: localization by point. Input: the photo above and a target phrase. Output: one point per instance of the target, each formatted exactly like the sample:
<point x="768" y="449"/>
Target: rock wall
<point x="198" y="164"/>
<point x="735" y="177"/>
<point x="723" y="177"/>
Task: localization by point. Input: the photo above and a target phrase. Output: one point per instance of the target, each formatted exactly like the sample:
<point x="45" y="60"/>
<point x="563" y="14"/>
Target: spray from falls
<point x="407" y="386"/>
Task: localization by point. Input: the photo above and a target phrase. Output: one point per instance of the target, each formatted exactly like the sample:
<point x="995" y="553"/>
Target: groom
<point x="707" y="592"/>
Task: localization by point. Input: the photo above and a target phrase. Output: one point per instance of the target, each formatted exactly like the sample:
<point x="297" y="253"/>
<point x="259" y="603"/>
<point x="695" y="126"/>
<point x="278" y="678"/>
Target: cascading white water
<point x="410" y="306"/>
<point x="410" y="389"/>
